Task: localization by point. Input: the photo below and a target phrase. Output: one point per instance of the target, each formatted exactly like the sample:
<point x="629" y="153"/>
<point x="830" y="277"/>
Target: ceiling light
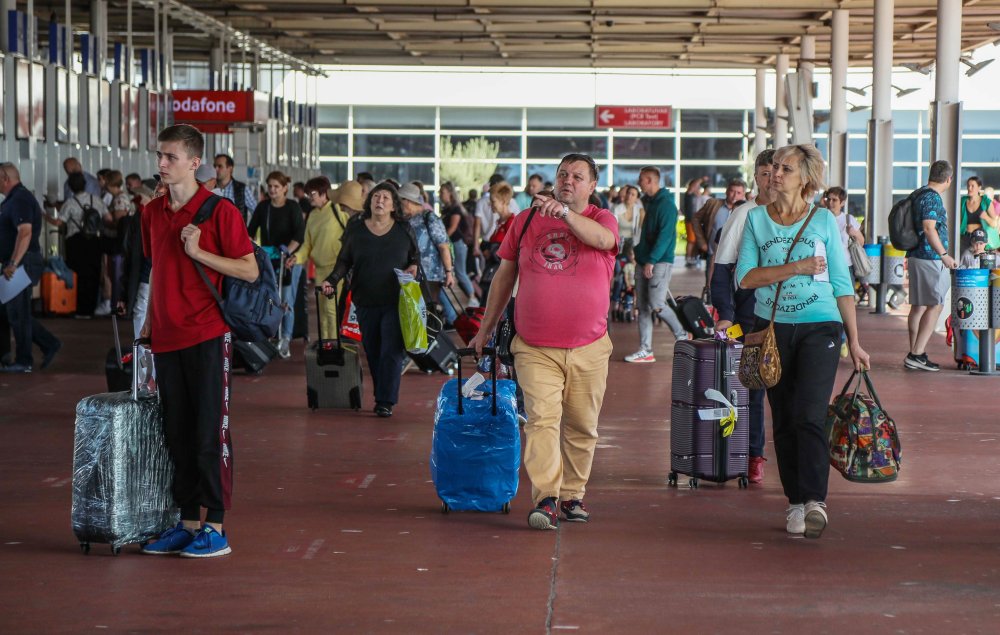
<point x="974" y="67"/>
<point x="903" y="92"/>
<point x="858" y="91"/>
<point x="858" y="108"/>
<point x="917" y="68"/>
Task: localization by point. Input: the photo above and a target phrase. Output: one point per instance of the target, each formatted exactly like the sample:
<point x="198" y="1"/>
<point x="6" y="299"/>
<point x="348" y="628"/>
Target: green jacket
<point x="659" y="230"/>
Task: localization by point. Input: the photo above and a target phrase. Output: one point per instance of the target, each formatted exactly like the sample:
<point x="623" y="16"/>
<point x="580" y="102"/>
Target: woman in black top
<point x="456" y="221"/>
<point x="373" y="247"/>
<point x="281" y="225"/>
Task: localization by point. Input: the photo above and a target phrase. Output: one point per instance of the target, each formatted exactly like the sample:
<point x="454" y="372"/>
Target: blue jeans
<point x="288" y="297"/>
<point x="461" y="266"/>
<point x="27" y="329"/>
<point x="382" y="337"/>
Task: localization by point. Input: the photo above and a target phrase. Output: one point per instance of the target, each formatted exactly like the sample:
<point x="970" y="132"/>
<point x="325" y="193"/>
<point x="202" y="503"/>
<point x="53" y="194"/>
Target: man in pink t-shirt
<point x="565" y="252"/>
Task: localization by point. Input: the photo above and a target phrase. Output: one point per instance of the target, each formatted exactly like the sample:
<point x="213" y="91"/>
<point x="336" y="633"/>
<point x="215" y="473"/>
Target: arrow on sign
<point x="606" y="116"/>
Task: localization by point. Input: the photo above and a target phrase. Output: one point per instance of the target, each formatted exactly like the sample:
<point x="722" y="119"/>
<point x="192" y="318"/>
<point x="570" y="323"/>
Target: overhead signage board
<point x="218" y="106"/>
<point x="634" y="117"/>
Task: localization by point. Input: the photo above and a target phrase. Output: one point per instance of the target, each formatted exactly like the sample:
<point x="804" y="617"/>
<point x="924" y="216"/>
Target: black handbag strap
<point x="203" y="214"/>
<point x="465" y="352"/>
<point x="520" y="238"/>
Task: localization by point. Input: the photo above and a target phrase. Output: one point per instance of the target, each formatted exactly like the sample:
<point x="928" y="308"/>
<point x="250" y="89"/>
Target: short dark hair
<point x="737" y="182"/>
<point x="940" y="172"/>
<point x="397" y="206"/>
<point x="229" y="159"/>
<point x="978" y="181"/>
<point x="103" y="173"/>
<point x="319" y="184"/>
<point x="651" y="168"/>
<point x="536" y="177"/>
<point x="838" y="192"/>
<point x="576" y="157"/>
<point x="473" y="194"/>
<point x="189" y="136"/>
<point x="365" y="176"/>
<point x="496" y="178"/>
<point x="133" y="175"/>
<point x="299" y="184"/>
<point x="77" y="182"/>
<point x="765" y="158"/>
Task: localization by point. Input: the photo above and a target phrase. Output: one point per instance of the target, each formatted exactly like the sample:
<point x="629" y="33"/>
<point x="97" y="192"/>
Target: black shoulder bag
<point x="506" y="329"/>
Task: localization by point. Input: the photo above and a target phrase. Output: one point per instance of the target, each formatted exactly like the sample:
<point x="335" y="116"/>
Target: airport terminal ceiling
<point x="594" y="33"/>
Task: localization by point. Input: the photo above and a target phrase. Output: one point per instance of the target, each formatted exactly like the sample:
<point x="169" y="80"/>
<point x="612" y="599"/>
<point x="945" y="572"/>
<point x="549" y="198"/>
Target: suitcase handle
<point x="336" y="315"/>
<point x="471" y="352"/>
<point x="135" y="363"/>
<point x="118" y="343"/>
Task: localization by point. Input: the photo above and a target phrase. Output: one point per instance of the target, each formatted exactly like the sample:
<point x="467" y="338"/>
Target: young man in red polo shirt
<point x="191" y="342"/>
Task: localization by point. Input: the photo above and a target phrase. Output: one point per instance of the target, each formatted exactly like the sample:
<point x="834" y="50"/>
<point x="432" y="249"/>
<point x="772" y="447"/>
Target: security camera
<point x="609" y="23"/>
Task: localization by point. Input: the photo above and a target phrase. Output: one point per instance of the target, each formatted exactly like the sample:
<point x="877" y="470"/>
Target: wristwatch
<point x="565" y="212"/>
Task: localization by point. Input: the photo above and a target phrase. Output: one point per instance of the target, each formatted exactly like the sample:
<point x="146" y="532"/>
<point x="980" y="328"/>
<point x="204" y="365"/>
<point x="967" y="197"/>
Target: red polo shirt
<point x="184" y="311"/>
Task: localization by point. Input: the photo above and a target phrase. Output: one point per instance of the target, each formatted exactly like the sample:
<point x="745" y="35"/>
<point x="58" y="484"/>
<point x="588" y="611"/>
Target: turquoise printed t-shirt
<point x="803" y="298"/>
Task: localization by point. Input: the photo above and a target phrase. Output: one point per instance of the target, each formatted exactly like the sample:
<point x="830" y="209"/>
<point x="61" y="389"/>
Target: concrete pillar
<point x="946" y="111"/>
<point x="880" y="125"/>
<point x="760" y="114"/>
<point x="5" y="6"/>
<point x="837" y="144"/>
<point x="99" y="29"/>
<point x="130" y="54"/>
<point x="215" y="64"/>
<point x="167" y="52"/>
<point x="157" y="50"/>
<point x="781" y="103"/>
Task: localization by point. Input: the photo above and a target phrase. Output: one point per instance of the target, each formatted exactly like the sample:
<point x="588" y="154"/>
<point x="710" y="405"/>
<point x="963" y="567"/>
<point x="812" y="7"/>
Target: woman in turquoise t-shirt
<point x="815" y="307"/>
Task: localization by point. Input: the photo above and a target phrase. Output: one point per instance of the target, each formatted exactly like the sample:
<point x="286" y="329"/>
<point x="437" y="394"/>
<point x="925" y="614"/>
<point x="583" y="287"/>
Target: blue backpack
<point x="251" y="309"/>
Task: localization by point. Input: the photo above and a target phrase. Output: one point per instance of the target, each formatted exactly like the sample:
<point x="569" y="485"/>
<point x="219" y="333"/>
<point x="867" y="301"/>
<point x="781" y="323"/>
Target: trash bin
<point x="970" y="295"/>
<point x="995" y="298"/>
<point x="874" y="253"/>
<point x="895" y="263"/>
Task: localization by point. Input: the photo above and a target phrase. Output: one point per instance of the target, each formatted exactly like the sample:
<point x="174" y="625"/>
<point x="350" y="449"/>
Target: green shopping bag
<point x="412" y="313"/>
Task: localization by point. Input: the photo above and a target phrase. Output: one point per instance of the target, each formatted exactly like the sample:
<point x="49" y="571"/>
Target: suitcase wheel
<point x="672" y="479"/>
<point x="444" y="508"/>
<point x="85" y="548"/>
<point x="693" y="483"/>
<point x="506" y="508"/>
<point x="743" y="482"/>
<point x="115" y="550"/>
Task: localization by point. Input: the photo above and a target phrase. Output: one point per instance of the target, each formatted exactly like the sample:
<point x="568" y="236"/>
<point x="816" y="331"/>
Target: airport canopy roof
<point x="556" y="33"/>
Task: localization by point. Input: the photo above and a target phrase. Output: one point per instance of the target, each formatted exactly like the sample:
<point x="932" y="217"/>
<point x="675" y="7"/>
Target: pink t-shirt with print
<point x="564" y="291"/>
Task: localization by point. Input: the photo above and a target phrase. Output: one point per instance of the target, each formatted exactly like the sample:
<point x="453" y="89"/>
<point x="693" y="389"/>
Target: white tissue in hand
<point x="471" y="384"/>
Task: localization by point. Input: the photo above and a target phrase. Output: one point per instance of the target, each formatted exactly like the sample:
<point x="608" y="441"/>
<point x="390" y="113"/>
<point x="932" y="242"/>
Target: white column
<point x="838" y="99"/>
<point x="215" y="63"/>
<point x="127" y="62"/>
<point x="880" y="125"/>
<point x="946" y="111"/>
<point x="781" y="104"/>
<point x="99" y="31"/>
<point x="760" y="114"/>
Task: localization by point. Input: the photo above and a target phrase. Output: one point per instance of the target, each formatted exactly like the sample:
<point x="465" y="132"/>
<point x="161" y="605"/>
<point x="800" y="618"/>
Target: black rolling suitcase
<point x="441" y="354"/>
<point x="703" y="444"/>
<point x="122" y="471"/>
<point x="333" y="371"/>
<point x="693" y="314"/>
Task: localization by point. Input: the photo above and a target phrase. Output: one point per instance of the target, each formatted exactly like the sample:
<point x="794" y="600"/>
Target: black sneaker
<point x="545" y="516"/>
<point x="383" y="410"/>
<point x="920" y="362"/>
<point x="574" y="511"/>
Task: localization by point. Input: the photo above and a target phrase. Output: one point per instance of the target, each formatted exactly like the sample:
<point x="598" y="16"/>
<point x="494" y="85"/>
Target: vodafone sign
<point x="216" y="106"/>
<point x="637" y="117"/>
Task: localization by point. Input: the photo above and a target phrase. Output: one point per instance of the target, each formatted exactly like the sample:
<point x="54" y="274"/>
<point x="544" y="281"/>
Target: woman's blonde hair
<point x="502" y="191"/>
<point x="811" y="167"/>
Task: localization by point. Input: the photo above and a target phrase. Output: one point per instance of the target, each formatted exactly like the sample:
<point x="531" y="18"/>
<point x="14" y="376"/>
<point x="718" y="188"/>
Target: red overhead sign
<point x="642" y="117"/>
<point x="219" y="106"/>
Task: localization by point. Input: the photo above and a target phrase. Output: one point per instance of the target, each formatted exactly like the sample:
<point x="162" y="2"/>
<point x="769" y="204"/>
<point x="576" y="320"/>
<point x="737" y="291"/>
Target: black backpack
<point x="251" y="309"/>
<point x="903" y="230"/>
<point x="91" y="219"/>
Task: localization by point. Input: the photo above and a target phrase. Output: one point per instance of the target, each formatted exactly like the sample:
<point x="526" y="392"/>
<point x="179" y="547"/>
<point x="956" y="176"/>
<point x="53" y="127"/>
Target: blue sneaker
<point x="208" y="543"/>
<point x="171" y="541"/>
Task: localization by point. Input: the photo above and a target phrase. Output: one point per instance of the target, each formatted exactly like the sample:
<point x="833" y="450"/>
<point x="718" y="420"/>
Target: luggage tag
<point x="726" y="416"/>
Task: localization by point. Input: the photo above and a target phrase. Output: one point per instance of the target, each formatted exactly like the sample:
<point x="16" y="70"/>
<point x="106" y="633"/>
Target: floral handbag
<point x="864" y="442"/>
<point x="760" y="364"/>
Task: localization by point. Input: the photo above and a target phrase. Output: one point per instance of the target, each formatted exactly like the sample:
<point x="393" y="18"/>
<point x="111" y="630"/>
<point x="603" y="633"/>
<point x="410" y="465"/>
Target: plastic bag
<point x="349" y="325"/>
<point x="412" y="313"/>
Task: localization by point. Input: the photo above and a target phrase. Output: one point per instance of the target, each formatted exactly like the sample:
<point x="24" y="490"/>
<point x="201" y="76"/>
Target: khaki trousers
<point x="563" y="393"/>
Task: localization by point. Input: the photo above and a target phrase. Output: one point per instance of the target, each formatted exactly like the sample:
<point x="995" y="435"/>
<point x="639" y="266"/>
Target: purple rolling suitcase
<point x="704" y="379"/>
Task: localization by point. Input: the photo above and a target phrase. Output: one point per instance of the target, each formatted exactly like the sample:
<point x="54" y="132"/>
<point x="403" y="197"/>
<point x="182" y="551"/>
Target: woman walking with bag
<point x="373" y="248"/>
<point x="793" y="256"/>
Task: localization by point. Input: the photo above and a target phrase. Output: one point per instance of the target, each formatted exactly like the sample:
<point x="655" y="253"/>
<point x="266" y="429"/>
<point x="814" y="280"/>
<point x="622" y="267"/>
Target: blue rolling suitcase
<point x="476" y="450"/>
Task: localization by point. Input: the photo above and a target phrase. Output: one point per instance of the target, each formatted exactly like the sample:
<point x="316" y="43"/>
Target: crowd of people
<point x="570" y="254"/>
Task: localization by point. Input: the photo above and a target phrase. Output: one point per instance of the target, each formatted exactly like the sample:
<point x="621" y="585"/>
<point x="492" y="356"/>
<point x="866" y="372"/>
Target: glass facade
<point x="402" y="143"/>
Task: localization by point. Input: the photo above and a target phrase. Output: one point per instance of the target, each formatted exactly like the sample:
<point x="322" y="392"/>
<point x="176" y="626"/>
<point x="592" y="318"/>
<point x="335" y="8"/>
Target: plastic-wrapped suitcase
<point x="122" y="471"/>
<point x="705" y="442"/>
<point x="476" y="448"/>
<point x="333" y="371"/>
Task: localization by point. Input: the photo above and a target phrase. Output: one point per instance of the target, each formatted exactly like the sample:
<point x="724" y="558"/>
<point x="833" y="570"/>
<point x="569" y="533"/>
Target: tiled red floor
<point x="336" y="527"/>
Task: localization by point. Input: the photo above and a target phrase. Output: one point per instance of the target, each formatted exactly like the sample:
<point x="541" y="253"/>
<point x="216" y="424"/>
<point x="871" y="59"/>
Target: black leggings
<point x="83" y="256"/>
<point x="810" y="353"/>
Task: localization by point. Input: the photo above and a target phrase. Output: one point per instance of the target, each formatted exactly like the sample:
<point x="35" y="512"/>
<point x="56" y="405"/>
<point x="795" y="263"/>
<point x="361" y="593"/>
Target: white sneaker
<point x="815" y="519"/>
<point x="103" y="309"/>
<point x="640" y="357"/>
<point x="795" y="522"/>
<point x="473" y="302"/>
<point x="283" y="348"/>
